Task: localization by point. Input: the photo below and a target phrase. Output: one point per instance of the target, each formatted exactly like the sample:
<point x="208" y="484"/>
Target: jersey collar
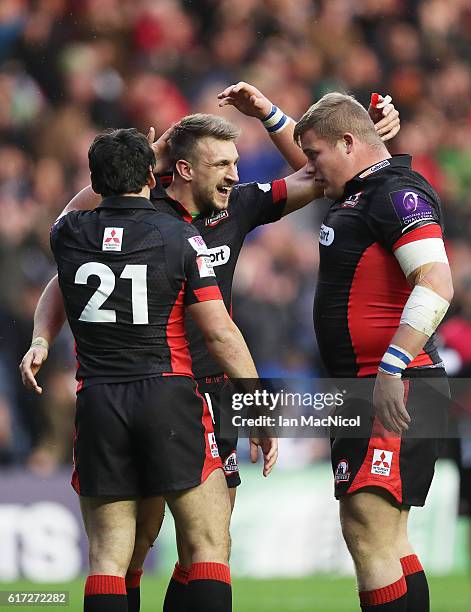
<point x="159" y="193"/>
<point x="125" y="202"/>
<point x="396" y="161"/>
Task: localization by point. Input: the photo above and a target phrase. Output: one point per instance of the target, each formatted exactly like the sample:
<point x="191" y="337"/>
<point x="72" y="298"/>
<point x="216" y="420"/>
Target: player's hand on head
<point x="161" y="148"/>
<point x="30" y="366"/>
<point x="269" y="448"/>
<point x="247" y="99"/>
<point x="385" y="116"/>
<point x="388" y="401"/>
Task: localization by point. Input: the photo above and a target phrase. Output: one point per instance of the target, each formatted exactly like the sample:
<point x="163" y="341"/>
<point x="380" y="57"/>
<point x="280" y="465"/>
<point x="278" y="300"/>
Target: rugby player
<point x="384" y="286"/>
<point x="204" y="161"/>
<point x="126" y="272"/>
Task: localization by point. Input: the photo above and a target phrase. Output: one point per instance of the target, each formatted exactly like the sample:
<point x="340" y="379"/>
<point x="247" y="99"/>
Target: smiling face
<point x="328" y="162"/>
<point x="214" y="173"/>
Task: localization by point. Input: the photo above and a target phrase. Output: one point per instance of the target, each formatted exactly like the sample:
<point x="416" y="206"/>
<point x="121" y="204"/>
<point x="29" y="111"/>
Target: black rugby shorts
<point x="402" y="465"/>
<point x="142" y="438"/>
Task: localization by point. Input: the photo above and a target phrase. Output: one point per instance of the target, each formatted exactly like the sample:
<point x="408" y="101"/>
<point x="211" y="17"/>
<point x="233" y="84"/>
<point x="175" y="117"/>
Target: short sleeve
<point x="201" y="283"/>
<point x="54" y="236"/>
<point x="398" y="211"/>
<point x="255" y="204"/>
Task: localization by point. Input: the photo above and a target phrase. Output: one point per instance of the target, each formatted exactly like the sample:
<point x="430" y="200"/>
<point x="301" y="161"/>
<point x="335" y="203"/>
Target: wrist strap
<point x="275" y="121"/>
<point x="394" y="360"/>
<point x="40" y="341"/>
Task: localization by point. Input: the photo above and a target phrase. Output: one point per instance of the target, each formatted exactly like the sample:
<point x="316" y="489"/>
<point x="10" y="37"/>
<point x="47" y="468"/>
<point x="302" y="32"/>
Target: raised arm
<point x="251" y="102"/>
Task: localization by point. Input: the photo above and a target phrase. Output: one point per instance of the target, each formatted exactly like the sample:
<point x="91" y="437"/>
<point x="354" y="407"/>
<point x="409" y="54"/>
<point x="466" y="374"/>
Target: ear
<point x="151" y="182"/>
<point x="348" y="142"/>
<point x="94" y="187"/>
<point x="183" y="169"/>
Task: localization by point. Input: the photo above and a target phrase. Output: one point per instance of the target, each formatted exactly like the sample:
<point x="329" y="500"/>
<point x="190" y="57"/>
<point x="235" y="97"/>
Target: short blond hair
<point x="334" y="115"/>
<point x="192" y="128"/>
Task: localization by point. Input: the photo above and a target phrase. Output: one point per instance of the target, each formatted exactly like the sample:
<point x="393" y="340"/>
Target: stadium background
<point x="71" y="68"/>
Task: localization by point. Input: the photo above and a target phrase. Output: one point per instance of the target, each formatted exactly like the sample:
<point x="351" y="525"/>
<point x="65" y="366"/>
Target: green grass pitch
<point x="318" y="593"/>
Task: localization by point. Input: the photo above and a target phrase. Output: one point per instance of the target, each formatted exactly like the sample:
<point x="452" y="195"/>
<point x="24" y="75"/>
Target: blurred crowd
<point x="69" y="68"/>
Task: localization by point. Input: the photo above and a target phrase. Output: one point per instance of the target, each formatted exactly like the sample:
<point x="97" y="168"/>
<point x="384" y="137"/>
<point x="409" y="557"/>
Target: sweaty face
<point x="327" y="163"/>
<point x="214" y="173"/>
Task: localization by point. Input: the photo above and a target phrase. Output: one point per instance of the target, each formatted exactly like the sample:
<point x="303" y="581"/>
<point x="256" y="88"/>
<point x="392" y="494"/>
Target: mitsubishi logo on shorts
<point x="112" y="239"/>
<point x="382" y="460"/>
<point x="213" y="447"/>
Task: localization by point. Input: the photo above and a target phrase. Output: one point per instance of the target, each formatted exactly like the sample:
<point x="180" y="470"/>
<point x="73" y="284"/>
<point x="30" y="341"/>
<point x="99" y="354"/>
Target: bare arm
<point x="49" y="315"/>
<point x="251" y="102"/>
<point x="301" y="190"/>
<point x="223" y="339"/>
<point x="49" y="318"/>
<point x="227" y="346"/>
<point x="389" y="391"/>
<point x="86" y="199"/>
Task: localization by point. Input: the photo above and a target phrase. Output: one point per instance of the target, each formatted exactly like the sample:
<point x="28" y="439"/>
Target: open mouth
<point x="225" y="191"/>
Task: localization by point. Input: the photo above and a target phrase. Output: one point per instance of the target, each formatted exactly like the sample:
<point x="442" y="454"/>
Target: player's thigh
<point x="202" y="514"/>
<point x="183" y="548"/>
<point x="150" y="516"/>
<point x="110" y="525"/>
<point x="370" y="519"/>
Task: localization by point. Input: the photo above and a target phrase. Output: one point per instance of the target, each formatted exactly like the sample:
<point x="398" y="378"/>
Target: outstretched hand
<point x="247" y="99"/>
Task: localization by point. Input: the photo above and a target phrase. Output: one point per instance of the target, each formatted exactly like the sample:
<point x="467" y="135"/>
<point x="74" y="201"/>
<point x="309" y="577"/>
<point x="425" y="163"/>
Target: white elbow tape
<point x="424" y="310"/>
<point x="420" y="252"/>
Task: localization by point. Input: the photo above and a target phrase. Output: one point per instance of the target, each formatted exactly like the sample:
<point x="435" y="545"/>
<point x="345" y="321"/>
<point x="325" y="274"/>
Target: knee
<point x="146" y="533"/>
<point x="366" y="541"/>
<point x="211" y="543"/>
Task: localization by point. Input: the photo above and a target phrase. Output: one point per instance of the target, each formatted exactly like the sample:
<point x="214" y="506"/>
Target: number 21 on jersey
<point x="92" y="313"/>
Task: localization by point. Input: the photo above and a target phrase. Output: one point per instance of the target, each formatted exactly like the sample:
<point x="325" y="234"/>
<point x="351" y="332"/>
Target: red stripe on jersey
<point x="77" y="365"/>
<point x="279" y="190"/>
<point x="180" y="358"/>
<point x="380" y="440"/>
<point x="378" y="294"/>
<point x="433" y="230"/>
<point x="210" y="463"/>
<point x="204" y="294"/>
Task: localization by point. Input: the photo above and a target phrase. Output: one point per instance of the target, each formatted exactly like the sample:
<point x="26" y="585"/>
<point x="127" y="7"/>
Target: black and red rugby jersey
<point x="361" y="290"/>
<point x="224" y="232"/>
<point x="126" y="272"/>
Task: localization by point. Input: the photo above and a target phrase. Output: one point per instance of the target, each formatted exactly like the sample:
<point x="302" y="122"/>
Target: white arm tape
<point x="420" y="252"/>
<point x="424" y="310"/>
